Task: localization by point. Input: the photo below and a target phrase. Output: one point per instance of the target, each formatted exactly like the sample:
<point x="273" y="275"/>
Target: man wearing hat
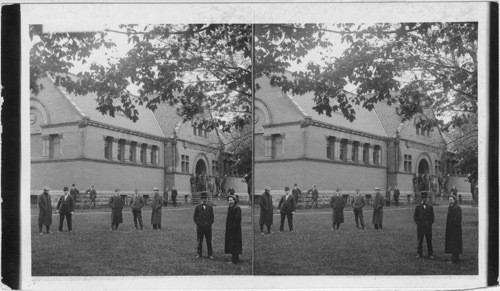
<point x="388" y="196"/>
<point x="396" y="195"/>
<point x="337" y="203"/>
<point x="116" y="205"/>
<point x="314" y="196"/>
<point x="44" y="202"/>
<point x="92" y="196"/>
<point x="74" y="192"/>
<point x="136" y="204"/>
<point x="204" y="218"/>
<point x="357" y="205"/>
<point x="378" y="209"/>
<point x="296" y="194"/>
<point x="174" y="196"/>
<point x="424" y="218"/>
<point x="286" y="207"/>
<point x="66" y="208"/>
<point x="266" y="210"/>
<point x="453" y="233"/>
<point x="156" y="209"/>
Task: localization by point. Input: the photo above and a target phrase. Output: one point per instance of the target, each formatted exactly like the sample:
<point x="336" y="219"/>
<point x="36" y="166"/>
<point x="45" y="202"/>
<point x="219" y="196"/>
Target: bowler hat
<point x="423" y="195"/>
<point x="65" y="188"/>
<point x="46" y="188"/>
<point x="267" y="188"/>
<point x="203" y="195"/>
<point x="287" y="188"/>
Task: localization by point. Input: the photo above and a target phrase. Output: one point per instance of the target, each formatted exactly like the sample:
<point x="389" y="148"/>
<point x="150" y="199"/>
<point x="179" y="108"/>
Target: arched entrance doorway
<point x="423" y="174"/>
<point x="200" y="171"/>
<point x="423" y="167"/>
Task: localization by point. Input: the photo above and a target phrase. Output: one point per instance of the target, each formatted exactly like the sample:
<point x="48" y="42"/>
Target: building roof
<point x="167" y="118"/>
<point x="87" y="104"/>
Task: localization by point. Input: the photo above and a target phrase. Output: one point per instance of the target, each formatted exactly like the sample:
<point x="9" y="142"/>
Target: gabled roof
<point x="87" y="104"/>
<point x="388" y="117"/>
<point x="167" y="118"/>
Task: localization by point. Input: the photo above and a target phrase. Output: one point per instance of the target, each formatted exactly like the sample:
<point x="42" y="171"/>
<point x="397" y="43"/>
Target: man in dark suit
<point x="74" y="192"/>
<point x="136" y="204"/>
<point x="204" y="218"/>
<point x="174" y="196"/>
<point x="357" y="205"/>
<point x="66" y="208"/>
<point x="388" y="196"/>
<point x="314" y="196"/>
<point x="266" y="211"/>
<point x="338" y="205"/>
<point x="396" y="195"/>
<point x="424" y="218"/>
<point x="45" y="215"/>
<point x="378" y="209"/>
<point x="296" y="194"/>
<point x="116" y="205"/>
<point x="286" y="207"/>
<point x="92" y="196"/>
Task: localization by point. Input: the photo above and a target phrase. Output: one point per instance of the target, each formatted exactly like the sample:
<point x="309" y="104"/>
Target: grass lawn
<point x="94" y="250"/>
<point x="314" y="249"/>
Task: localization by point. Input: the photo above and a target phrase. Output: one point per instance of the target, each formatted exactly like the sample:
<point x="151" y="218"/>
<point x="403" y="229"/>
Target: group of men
<point x="65" y="208"/>
<point x="424" y="216"/>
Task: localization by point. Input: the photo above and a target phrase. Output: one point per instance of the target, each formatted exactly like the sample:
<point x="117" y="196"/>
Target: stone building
<point x="71" y="142"/>
<point x="295" y="144"/>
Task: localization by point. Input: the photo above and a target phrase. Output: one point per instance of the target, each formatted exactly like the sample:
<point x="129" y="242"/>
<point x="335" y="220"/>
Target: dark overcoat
<point x="45" y="204"/>
<point x="453" y="234"/>
<point x="116" y="204"/>
<point x="378" y="209"/>
<point x="266" y="209"/>
<point x="233" y="239"/>
<point x="296" y="194"/>
<point x="287" y="205"/>
<point x="337" y="203"/>
<point x="66" y="206"/>
<point x="156" y="209"/>
<point x="204" y="218"/>
<point x="396" y="193"/>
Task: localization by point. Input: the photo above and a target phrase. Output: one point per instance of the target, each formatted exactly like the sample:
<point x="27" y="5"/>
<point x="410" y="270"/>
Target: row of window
<point x="353" y="154"/>
<point x="215" y="166"/>
<point x="131" y="151"/>
<point x="422" y="131"/>
<point x="199" y="131"/>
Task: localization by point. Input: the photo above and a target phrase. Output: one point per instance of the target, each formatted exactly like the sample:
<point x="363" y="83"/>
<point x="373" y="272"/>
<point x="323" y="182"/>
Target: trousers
<point x="204" y="232"/>
<point x="289" y="217"/>
<point x="68" y="221"/>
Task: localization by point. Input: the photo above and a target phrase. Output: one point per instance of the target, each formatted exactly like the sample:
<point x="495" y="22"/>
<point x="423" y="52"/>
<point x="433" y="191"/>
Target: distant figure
<point x="74" y="192"/>
<point x="156" y="209"/>
<point x="446" y="180"/>
<point x="337" y="203"/>
<point x="233" y="239"/>
<point x="136" y="204"/>
<point x="217" y="187"/>
<point x="44" y="202"/>
<point x="66" y="208"/>
<point x="286" y="207"/>
<point x="248" y="181"/>
<point x="174" y="196"/>
<point x="223" y="181"/>
<point x="198" y="182"/>
<point x="453" y="234"/>
<point x="314" y="197"/>
<point x="192" y="183"/>
<point x="116" y="205"/>
<point x="204" y="218"/>
<point x="388" y="196"/>
<point x="266" y="210"/>
<point x="211" y="188"/>
<point x="454" y="191"/>
<point x="424" y="218"/>
<point x="378" y="209"/>
<point x="92" y="196"/>
<point x="396" y="195"/>
<point x="296" y="195"/>
<point x="416" y="182"/>
<point x="357" y="205"/>
<point x="230" y="191"/>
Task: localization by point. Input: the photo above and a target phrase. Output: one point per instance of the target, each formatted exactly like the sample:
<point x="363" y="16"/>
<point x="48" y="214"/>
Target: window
<point x="108" y="148"/>
<point x="154" y="155"/>
<point x="437" y="167"/>
<point x="184" y="164"/>
<point x="215" y="168"/>
<point x="121" y="150"/>
<point x="132" y="152"/>
<point x="366" y="153"/>
<point x="376" y="154"/>
<point x="354" y="152"/>
<point x="55" y="146"/>
<point x="144" y="148"/>
<point x="277" y="145"/>
<point x="330" y="147"/>
<point x="343" y="150"/>
<point x="407" y="163"/>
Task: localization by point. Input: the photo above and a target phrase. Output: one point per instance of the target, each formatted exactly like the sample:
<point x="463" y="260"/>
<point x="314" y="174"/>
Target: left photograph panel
<point x="141" y="150"/>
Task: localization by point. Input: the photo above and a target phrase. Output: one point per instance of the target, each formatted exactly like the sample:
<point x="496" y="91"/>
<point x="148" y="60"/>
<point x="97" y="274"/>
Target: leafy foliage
<point x="241" y="151"/>
<point x="199" y="68"/>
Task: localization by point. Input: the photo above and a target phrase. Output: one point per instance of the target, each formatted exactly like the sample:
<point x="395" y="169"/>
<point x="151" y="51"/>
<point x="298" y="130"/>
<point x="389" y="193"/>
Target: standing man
<point x="116" y="205"/>
<point x="211" y="188"/>
<point x="454" y="191"/>
<point x="66" y="208"/>
<point x="424" y="218"/>
<point x="92" y="196"/>
<point x="74" y="192"/>
<point x="286" y="207"/>
<point x="445" y="182"/>
<point x="230" y="191"/>
<point x="223" y="183"/>
<point x="44" y="202"/>
<point x="204" y="218"/>
<point x="192" y="183"/>
<point x="357" y="205"/>
<point x="156" y="209"/>
<point x="233" y="240"/>
<point x="217" y="187"/>
<point x="314" y="197"/>
<point x="415" y="181"/>
<point x="296" y="194"/>
<point x="337" y="203"/>
<point x="396" y="195"/>
<point x="453" y="234"/>
<point x="388" y="196"/>
<point x="378" y="209"/>
<point x="266" y="211"/>
<point x="248" y="181"/>
<point x="174" y="196"/>
<point x="137" y="203"/>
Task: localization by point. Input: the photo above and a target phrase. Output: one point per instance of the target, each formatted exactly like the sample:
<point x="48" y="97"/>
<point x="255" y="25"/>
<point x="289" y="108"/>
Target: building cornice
<point x="281" y="124"/>
<point x="124" y="130"/>
<point x="313" y="122"/>
<point x="328" y="161"/>
<point x="118" y="163"/>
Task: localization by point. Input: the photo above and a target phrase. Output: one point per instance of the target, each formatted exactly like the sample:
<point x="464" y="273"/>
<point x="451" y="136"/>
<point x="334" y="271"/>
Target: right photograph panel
<point x="366" y="149"/>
